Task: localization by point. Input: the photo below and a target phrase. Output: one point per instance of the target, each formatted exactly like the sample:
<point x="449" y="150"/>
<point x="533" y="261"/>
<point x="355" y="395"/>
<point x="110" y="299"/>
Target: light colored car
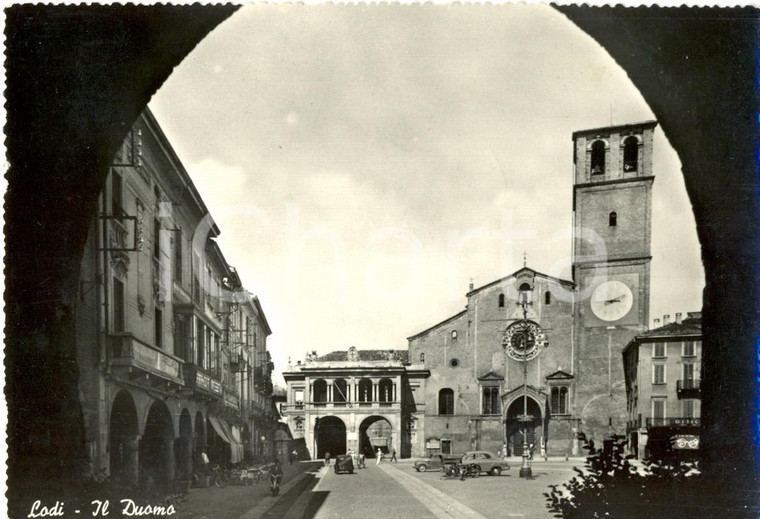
<point x="487" y="461"/>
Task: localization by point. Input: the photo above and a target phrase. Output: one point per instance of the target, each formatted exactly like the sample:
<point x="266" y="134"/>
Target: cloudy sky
<point x="364" y="162"/>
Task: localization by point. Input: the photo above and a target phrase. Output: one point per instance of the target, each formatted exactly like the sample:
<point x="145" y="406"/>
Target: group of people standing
<point x="379" y="456"/>
<point x="359" y="460"/>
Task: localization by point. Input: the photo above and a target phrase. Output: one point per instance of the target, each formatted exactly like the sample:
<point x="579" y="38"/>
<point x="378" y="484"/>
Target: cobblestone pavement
<point x="233" y="501"/>
<point x="388" y="491"/>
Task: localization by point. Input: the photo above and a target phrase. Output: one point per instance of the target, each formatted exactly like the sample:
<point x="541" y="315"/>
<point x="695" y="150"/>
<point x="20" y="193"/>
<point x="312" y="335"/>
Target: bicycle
<point x="218" y="477"/>
<point x="469" y="471"/>
<point x="274" y="484"/>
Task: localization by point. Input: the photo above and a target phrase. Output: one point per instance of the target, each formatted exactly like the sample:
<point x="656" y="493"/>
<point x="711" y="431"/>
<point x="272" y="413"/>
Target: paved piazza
<point x="398" y="491"/>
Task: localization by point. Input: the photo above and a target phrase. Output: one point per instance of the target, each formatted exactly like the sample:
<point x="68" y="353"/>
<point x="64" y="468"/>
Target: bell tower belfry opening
<point x="612" y="208"/>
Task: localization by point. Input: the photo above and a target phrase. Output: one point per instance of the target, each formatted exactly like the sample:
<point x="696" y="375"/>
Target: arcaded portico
<point x="343" y="401"/>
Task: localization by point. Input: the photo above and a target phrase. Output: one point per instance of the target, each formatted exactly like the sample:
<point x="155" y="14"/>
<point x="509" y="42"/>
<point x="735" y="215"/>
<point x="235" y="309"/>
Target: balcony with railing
<point x="688" y="388"/>
<point x="678" y="421"/>
<point x="200" y="382"/>
<point x="231" y="398"/>
<point x="314" y="406"/>
<point x="130" y="355"/>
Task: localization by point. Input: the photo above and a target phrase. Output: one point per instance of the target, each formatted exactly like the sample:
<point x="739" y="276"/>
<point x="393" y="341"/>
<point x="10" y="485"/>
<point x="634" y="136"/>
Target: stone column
<point x="168" y="449"/>
<point x="131" y="459"/>
<point x="187" y="451"/>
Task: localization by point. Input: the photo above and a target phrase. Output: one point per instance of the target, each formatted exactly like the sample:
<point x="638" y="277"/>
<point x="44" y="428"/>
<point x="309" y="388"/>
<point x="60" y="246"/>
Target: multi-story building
<point x="662" y="383"/>
<point x="491" y="388"/>
<point x="171" y="349"/>
<point x="351" y="400"/>
<point x="484" y="378"/>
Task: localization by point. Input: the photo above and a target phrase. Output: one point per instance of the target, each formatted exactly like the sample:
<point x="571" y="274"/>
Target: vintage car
<point x="486" y="461"/>
<point x="436" y="462"/>
<point x="344" y="463"/>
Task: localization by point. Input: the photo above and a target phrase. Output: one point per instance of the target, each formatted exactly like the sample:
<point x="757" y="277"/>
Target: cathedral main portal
<point x="519" y="426"/>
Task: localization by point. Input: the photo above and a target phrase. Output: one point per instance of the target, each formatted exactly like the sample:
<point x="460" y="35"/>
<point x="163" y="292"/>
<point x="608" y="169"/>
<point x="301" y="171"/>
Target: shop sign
<point x="686" y="441"/>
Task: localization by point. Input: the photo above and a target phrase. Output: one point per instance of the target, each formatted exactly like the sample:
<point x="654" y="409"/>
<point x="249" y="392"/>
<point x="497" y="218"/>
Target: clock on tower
<point x="612" y="206"/>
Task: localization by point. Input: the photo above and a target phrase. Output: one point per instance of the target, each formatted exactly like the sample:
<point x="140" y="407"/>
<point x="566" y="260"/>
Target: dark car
<point x="436" y="462"/>
<point x="344" y="463"/>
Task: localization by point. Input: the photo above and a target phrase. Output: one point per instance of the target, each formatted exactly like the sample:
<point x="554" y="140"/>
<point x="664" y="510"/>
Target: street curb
<point x="266" y="503"/>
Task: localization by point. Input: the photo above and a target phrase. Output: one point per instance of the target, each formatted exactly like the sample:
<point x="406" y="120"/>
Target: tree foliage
<point x="611" y="485"/>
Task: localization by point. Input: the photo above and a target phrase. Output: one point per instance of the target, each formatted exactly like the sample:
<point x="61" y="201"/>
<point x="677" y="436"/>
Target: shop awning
<point x="223" y="430"/>
<point x="237" y="447"/>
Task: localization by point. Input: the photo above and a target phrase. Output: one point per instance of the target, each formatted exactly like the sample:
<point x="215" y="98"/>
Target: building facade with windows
<point x="503" y="373"/>
<point x="533" y="358"/>
<point x="353" y="400"/>
<point x="171" y="348"/>
<point x="662" y="381"/>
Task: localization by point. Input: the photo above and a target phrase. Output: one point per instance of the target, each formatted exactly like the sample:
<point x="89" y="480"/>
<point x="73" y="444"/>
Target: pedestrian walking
<point x="204" y="462"/>
<point x="353" y="458"/>
<point x="378" y="456"/>
<point x="327" y="459"/>
<point x="393" y="456"/>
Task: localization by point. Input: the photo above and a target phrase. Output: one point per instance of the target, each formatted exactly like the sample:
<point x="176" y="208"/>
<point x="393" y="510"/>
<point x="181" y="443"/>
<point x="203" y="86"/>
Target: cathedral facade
<point x="536" y="359"/>
<point x="532" y="359"/>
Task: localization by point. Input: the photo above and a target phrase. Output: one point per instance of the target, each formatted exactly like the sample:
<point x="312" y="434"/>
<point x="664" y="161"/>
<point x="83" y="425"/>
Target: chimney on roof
<point x="665" y="319"/>
<point x="472" y="285"/>
<point x="656" y="323"/>
<point x="678" y="317"/>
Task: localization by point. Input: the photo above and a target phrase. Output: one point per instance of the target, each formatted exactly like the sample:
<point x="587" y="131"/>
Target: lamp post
<point x="521" y="342"/>
<point x="525" y="300"/>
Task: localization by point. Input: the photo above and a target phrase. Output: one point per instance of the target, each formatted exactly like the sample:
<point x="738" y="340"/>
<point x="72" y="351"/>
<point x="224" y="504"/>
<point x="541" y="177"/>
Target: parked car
<point x="344" y="463"/>
<point x="436" y="462"/>
<point x="487" y="461"/>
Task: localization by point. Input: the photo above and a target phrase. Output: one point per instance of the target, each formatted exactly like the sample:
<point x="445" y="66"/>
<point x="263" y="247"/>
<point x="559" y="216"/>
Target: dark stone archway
<point x="516" y="429"/>
<point x="69" y="106"/>
<point x="122" y="439"/>
<point x="375" y="432"/>
<point x="331" y="436"/>
<point x="77" y="78"/>
<point x="157" y="450"/>
<point x="696" y="68"/>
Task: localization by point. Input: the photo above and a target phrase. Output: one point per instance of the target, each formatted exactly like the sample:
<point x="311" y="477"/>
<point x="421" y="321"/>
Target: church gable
<point x="559" y="375"/>
<point x="490" y="377"/>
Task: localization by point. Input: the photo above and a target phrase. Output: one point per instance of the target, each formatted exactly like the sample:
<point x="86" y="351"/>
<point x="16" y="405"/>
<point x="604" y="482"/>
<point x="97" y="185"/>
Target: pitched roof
<point x="689" y="326"/>
<point x="448" y="319"/>
<point x="364" y="355"/>
<point x="516" y="273"/>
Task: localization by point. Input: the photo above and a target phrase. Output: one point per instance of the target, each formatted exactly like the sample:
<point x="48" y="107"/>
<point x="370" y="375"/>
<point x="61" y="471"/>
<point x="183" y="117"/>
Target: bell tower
<point x="612" y="229"/>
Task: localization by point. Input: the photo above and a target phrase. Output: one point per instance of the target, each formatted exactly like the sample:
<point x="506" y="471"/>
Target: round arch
<point x="320" y="391"/>
<point x="157" y="449"/>
<point x="330" y="435"/>
<point x="716" y="156"/>
<point x="375" y="432"/>
<point x="122" y="434"/>
<point x="518" y="431"/>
